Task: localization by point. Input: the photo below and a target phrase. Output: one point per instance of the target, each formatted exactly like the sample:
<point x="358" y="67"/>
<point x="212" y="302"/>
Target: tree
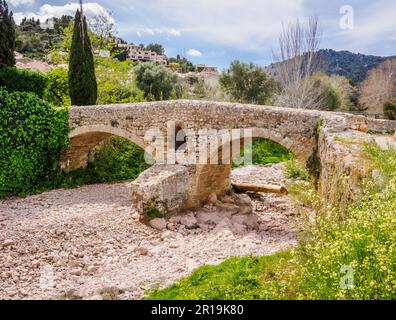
<point x="58" y="87"/>
<point x="155" y="47"/>
<point x="82" y="81"/>
<point x="7" y="36"/>
<point x="247" y="83"/>
<point x="103" y="27"/>
<point x="390" y="109"/>
<point x="297" y="60"/>
<point x="379" y="87"/>
<point x="155" y="81"/>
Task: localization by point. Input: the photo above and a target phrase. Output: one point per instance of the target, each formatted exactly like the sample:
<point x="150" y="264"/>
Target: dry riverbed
<point x="82" y="243"/>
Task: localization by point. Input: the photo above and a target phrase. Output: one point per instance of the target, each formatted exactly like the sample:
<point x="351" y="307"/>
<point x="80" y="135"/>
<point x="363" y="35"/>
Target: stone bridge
<point x="328" y="143"/>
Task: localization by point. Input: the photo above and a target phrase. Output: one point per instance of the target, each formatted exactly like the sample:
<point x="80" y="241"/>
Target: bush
<point x="58" y="87"/>
<point x="266" y="152"/>
<point x="14" y="79"/>
<point x="294" y="169"/>
<point x="155" y="81"/>
<point x="32" y="135"/>
<point x="248" y="83"/>
<point x="390" y="109"/>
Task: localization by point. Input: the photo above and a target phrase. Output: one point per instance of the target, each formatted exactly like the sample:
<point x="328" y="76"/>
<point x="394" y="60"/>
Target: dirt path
<point x="83" y="242"/>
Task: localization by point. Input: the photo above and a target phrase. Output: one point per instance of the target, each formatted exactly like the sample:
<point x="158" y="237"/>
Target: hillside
<point x="354" y="66"/>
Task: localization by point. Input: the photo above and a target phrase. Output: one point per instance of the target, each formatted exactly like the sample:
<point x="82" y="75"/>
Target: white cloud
<point x="245" y="25"/>
<point x="46" y="11"/>
<point x="194" y="53"/>
<point x="17" y="3"/>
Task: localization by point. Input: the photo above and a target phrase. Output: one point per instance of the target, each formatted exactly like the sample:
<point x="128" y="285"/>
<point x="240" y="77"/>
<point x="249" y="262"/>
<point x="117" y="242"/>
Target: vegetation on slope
<point x="349" y="254"/>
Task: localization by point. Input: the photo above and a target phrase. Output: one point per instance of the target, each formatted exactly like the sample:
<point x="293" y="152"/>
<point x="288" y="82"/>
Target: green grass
<point x="266" y="152"/>
<point x="247" y="278"/>
<point x="360" y="238"/>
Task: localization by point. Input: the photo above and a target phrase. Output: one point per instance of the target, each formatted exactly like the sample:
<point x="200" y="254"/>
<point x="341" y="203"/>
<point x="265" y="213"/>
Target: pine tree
<point x="82" y="81"/>
<point x="7" y="36"/>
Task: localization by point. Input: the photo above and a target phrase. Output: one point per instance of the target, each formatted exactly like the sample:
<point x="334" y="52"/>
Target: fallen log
<point x="254" y="187"/>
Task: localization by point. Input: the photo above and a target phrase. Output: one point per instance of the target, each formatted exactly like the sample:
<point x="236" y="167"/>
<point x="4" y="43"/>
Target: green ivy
<point x="32" y="136"/>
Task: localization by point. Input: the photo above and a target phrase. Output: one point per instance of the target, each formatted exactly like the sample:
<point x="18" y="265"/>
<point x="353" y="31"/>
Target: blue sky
<point x="216" y="32"/>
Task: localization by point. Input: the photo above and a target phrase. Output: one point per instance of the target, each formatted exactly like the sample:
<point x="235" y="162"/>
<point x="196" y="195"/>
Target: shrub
<point x="155" y="81"/>
<point x="32" y="135"/>
<point x="58" y="87"/>
<point x="294" y="169"/>
<point x="248" y="83"/>
<point x="266" y="152"/>
<point x="14" y="79"/>
<point x="390" y="109"/>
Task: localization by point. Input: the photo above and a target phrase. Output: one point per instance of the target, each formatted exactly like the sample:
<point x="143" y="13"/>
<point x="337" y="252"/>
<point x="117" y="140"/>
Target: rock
<point x="175" y="219"/>
<point x="92" y="269"/>
<point x="189" y="221"/>
<point x="126" y="287"/>
<point x="245" y="210"/>
<point x="213" y="198"/>
<point x="143" y="250"/>
<point x="158" y="224"/>
<point x="208" y="217"/>
<point x="75" y="272"/>
<point x="167" y="235"/>
<point x="176" y="244"/>
<point x="96" y="297"/>
<point x="136" y="216"/>
<point x="243" y="199"/>
<point x="8" y="243"/>
<point x="223" y="224"/>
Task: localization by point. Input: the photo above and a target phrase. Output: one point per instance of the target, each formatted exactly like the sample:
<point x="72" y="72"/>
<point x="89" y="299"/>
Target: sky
<point x="216" y="32"/>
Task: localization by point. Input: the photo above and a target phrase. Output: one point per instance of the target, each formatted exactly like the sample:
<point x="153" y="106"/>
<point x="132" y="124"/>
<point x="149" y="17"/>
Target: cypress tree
<point x="7" y="36"/>
<point x="82" y="81"/>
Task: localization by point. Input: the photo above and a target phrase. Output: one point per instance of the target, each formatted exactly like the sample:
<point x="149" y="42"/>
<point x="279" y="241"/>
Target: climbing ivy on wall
<point x="32" y="136"/>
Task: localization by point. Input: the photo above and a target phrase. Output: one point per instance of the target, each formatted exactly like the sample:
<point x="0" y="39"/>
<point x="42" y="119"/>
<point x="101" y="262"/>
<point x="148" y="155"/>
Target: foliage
<point x="35" y="41"/>
<point x="58" y="87"/>
<point x="155" y="81"/>
<point x="390" y="109"/>
<point x="248" y="83"/>
<point x="7" y="36"/>
<point x="266" y="152"/>
<point x="294" y="169"/>
<point x="32" y="135"/>
<point x="14" y="79"/>
<point x="82" y="80"/>
<point x="155" y="47"/>
<point x="115" y="82"/>
<point x="184" y="64"/>
<point x="234" y="279"/>
<point x="115" y="160"/>
<point x="342" y="253"/>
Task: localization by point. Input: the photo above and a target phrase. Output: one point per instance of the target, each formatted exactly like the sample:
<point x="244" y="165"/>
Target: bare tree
<point x="103" y="26"/>
<point x="379" y="87"/>
<point x="296" y="61"/>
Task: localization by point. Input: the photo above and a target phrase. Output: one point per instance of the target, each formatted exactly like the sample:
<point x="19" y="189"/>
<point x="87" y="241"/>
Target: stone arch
<point x="216" y="178"/>
<point x="291" y="144"/>
<point x="84" y="139"/>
